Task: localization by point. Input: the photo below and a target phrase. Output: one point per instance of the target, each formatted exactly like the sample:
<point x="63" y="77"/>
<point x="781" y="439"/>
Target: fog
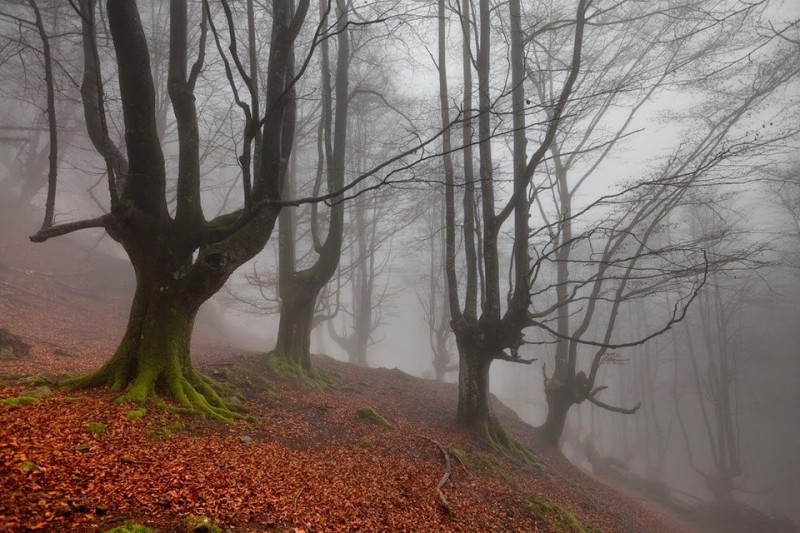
<point x="623" y="217"/>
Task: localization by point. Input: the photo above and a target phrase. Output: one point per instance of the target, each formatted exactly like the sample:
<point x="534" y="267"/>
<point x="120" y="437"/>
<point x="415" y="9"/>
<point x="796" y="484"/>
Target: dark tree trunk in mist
<point x="473" y="386"/>
<point x="559" y="401"/>
<point x="296" y="320"/>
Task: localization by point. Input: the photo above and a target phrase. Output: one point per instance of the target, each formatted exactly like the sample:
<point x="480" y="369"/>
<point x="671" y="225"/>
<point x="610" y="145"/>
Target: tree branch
<point x="70" y="227"/>
<point x="614" y="409"/>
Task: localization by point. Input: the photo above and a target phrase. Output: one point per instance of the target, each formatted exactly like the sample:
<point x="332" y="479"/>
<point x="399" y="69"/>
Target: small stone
<point x="82" y="447"/>
<point x="79" y="507"/>
<point x="64" y="510"/>
<point x="245" y="439"/>
<point x="101" y="510"/>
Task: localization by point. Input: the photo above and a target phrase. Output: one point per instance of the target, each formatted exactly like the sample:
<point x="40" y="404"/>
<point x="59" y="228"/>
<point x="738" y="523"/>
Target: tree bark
<point x="473" y="386"/>
<point x="296" y="322"/>
<point x="153" y="357"/>
<point x="559" y="402"/>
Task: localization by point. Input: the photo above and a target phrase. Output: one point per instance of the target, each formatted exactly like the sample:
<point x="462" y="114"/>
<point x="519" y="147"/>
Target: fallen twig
<point x="446" y="476"/>
<point x="131" y="461"/>
<point x="296" y="496"/>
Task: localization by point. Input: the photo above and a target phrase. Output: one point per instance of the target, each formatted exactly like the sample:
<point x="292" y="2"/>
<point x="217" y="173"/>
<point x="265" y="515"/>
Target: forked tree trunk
<point x="474" y="411"/>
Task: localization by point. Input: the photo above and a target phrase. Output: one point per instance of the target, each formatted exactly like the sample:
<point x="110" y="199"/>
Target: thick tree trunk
<point x="473" y="400"/>
<point x="153" y="357"/>
<point x="559" y="401"/>
<point x="473" y="387"/>
<point x="294" y="329"/>
<point x="358" y="356"/>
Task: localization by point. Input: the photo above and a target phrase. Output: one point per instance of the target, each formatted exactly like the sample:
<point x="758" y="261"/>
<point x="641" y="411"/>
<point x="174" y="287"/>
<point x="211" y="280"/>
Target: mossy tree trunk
<point x="298" y="297"/>
<point x="153" y="358"/>
<point x="478" y="345"/>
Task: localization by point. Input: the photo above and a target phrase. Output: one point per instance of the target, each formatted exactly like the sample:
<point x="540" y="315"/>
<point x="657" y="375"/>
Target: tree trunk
<point x="358" y="356"/>
<point x="153" y="357"/>
<point x="473" y="387"/>
<point x="559" y="401"/>
<point x="294" y="329"/>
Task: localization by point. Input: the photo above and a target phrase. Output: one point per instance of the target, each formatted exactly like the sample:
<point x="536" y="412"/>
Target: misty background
<point x="719" y="388"/>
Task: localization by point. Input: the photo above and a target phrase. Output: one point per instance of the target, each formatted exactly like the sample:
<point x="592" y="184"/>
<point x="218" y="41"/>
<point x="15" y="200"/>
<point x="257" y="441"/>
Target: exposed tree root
<point x="446" y="477"/>
<point x="288" y="368"/>
<point x="493" y="434"/>
<point x="191" y="392"/>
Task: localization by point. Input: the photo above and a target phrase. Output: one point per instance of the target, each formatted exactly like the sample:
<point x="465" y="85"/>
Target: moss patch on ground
<point x="555" y="516"/>
<point x="130" y="527"/>
<point x="368" y="414"/>
<point x="73" y="399"/>
<point x="136" y="414"/>
<point x="200" y="524"/>
<point x="18" y="401"/>
<point x="98" y="428"/>
<point x="157" y="432"/>
<point x="28" y="466"/>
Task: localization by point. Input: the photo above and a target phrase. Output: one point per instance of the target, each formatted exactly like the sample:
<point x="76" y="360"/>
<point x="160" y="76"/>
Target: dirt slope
<point x="306" y="461"/>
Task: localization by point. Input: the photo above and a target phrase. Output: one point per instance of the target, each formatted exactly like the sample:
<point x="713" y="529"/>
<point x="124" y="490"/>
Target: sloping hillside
<point x="305" y="461"/>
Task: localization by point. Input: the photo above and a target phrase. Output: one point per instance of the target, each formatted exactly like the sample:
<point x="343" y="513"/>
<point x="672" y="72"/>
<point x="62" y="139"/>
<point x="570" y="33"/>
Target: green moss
<point x="39" y="392"/>
<point x="461" y="455"/>
<point x="98" y="428"/>
<point x="369" y="414"/>
<point x="555" y="516"/>
<point x="73" y="399"/>
<point x="28" y="466"/>
<point x="159" y="433"/>
<point x="366" y="443"/>
<point x="200" y="524"/>
<point x="35" y="381"/>
<point x="136" y="414"/>
<point x="486" y="464"/>
<point x="493" y="434"/>
<point x="130" y="527"/>
<point x="18" y="401"/>
<point x="285" y="369"/>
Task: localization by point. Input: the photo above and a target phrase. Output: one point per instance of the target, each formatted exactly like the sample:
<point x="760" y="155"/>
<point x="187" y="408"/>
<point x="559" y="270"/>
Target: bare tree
<point x="299" y="289"/>
<point x="483" y="339"/>
<point x="180" y="260"/>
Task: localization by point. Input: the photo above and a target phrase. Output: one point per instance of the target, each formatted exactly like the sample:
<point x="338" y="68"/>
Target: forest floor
<point x="79" y="461"/>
